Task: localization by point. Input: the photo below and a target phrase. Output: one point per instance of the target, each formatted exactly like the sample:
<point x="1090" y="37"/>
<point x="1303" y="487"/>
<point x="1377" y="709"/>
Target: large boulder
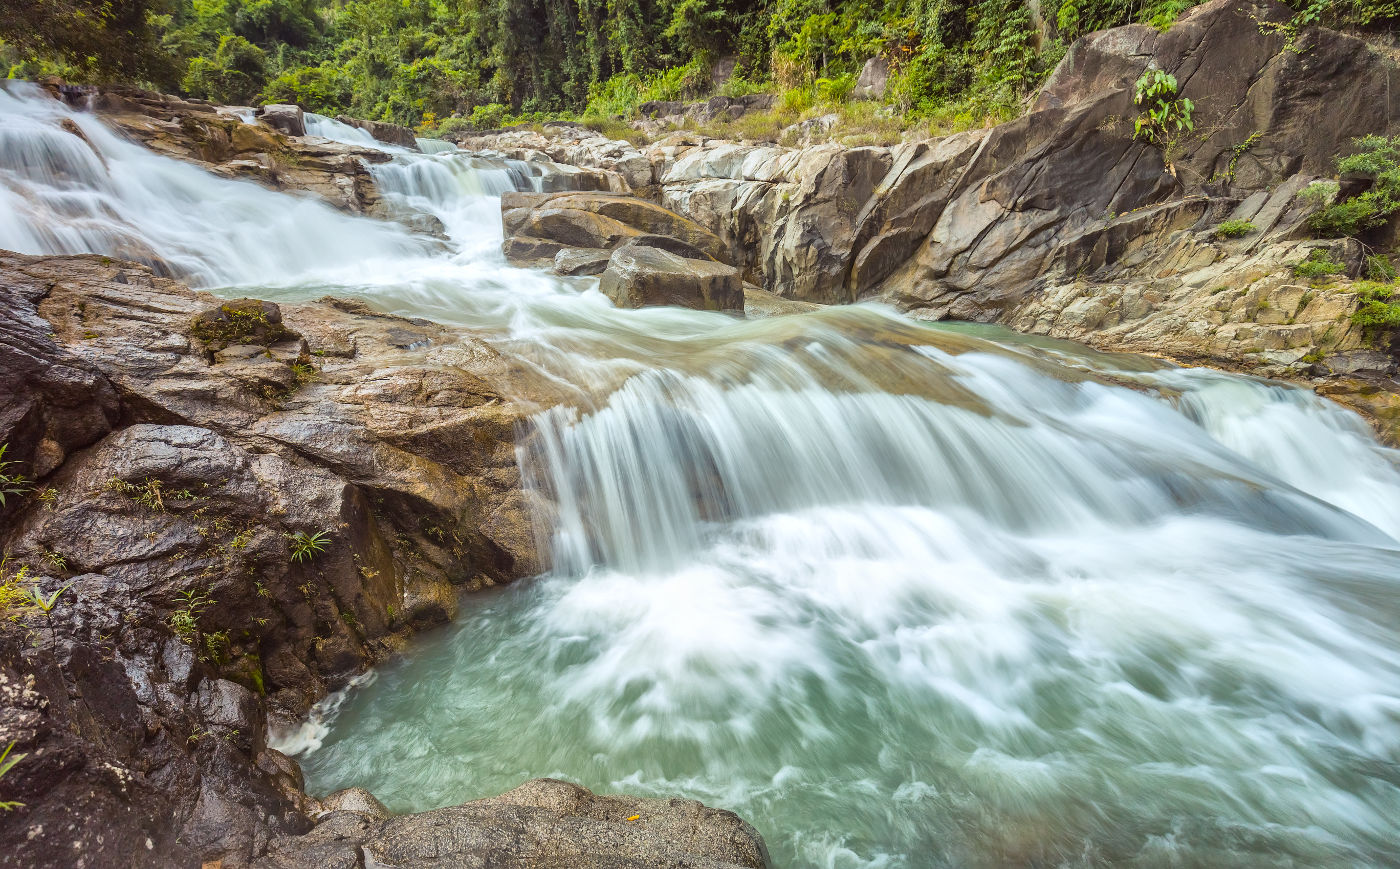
<point x="542" y="823"/>
<point x="642" y="276"/>
<point x="538" y="226"/>
<point x="287" y="119"/>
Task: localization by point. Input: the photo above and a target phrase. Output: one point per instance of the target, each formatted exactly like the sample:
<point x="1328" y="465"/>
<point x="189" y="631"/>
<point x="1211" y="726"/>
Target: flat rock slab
<point x="542" y="823"/>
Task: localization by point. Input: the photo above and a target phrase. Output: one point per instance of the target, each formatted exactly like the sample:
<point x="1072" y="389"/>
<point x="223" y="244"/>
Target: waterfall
<point x="901" y="594"/>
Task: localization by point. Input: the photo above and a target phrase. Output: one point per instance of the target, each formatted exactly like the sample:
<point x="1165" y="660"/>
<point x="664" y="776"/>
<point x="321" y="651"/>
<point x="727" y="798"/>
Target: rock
<point x="574" y="261"/>
<point x="596" y="221"/>
<point x="286" y="119"/>
<point x="641" y="276"/>
<point x="175" y="484"/>
<point x="356" y="800"/>
<point x="873" y="80"/>
<point x="198" y="133"/>
<point x="389" y="134"/>
<point x="542" y="823"/>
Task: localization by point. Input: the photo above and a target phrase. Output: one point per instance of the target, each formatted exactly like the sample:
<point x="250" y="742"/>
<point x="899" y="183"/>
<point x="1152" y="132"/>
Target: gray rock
<point x="874" y="79"/>
<point x="543" y="824"/>
<point x="576" y="261"/>
<point x="389" y="134"/>
<point x="639" y="276"/>
<point x="284" y="118"/>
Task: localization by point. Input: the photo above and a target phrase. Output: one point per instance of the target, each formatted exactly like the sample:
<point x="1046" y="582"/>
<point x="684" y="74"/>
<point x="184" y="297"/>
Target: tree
<point x="101" y="39"/>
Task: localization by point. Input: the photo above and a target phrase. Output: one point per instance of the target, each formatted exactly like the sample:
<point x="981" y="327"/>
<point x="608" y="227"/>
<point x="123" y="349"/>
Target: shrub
<point x="1234" y="229"/>
<point x="307" y="546"/>
<point x="1163" y="117"/>
<point x="1378" y="157"/>
<point x="1376" y="310"/>
<point x="1318" y="266"/>
<point x="1380" y="268"/>
<point x="488" y="117"/>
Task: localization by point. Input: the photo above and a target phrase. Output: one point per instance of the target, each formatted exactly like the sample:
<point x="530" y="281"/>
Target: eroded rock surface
<point x="542" y="823"/>
<point x="183" y="450"/>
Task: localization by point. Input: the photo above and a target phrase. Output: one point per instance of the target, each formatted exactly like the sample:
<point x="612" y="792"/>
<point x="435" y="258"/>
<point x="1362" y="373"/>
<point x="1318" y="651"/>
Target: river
<point x="900" y="594"/>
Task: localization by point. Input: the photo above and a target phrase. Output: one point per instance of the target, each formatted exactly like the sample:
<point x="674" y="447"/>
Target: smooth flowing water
<point x="900" y="594"/>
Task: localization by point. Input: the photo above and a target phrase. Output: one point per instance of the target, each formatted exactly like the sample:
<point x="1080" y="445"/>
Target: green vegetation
<point x="1379" y="158"/>
<point x="184" y="619"/>
<point x="10" y="483"/>
<point x="305" y="546"/>
<point x="445" y="65"/>
<point x="7" y="763"/>
<point x="1234" y="229"/>
<point x="1164" y="118"/>
<point x="1379" y="268"/>
<point x="1319" y="266"/>
<point x="1377" y="309"/>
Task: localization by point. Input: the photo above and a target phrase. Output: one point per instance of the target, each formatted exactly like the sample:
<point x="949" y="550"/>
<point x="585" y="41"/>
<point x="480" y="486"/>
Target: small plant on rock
<point x="305" y="546"/>
<point x="7" y="763"/>
<point x="1163" y="117"/>
<point x="1319" y="266"/>
<point x="1378" y="157"/>
<point x="1234" y="229"/>
<point x="10" y="483"/>
<point x="1377" y="309"/>
<point x="184" y="620"/>
<point x="1380" y="268"/>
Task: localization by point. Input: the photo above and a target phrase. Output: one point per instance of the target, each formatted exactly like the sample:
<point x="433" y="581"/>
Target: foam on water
<point x="902" y="595"/>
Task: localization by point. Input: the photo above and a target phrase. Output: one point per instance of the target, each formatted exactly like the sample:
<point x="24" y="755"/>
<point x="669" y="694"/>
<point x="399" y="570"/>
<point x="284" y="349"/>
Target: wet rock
<point x="286" y="119"/>
<point x="174" y="488"/>
<point x="356" y="800"/>
<point x="597" y="221"/>
<point x="389" y="134"/>
<point x="542" y="823"/>
<point x="575" y="261"/>
<point x="640" y="276"/>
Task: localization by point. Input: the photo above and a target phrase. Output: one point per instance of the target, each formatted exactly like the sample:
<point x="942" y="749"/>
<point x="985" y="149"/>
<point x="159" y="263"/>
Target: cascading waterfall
<point x="901" y="595"/>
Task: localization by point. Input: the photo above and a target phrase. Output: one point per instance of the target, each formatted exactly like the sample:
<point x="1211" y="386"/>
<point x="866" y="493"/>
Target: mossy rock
<point x="241" y="321"/>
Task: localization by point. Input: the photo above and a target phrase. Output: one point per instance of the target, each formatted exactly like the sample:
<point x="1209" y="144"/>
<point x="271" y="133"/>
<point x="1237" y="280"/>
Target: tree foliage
<point x="411" y="60"/>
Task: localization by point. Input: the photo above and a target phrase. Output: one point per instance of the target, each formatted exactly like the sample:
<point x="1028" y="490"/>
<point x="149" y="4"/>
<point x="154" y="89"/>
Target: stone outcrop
<point x="285" y="119"/>
<point x="178" y="447"/>
<point x="617" y="162"/>
<point x="570" y="230"/>
<point x="224" y="143"/>
<point x="640" y="275"/>
<point x="542" y="823"/>
<point x="389" y="134"/>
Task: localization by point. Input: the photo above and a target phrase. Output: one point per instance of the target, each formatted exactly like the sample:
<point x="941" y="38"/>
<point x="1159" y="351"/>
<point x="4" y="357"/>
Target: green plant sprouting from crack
<point x="11" y="483"/>
<point x="306" y="547"/>
<point x="1163" y="117"/>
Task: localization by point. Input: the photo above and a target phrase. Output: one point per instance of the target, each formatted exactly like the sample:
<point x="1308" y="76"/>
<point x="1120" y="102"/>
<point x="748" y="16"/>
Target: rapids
<point x="900" y="594"/>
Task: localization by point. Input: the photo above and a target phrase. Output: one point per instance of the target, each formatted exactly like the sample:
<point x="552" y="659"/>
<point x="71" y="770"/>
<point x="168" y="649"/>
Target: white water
<point x="901" y="595"/>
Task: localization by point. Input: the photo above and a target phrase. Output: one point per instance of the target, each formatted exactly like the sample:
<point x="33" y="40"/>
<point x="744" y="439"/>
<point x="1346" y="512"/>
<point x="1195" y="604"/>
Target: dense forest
<point x="445" y="64"/>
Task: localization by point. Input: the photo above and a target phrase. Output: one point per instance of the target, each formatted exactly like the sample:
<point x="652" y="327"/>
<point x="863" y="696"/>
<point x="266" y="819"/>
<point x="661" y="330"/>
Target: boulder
<point x="286" y="119"/>
<point x="542" y="823"/>
<point x="643" y="276"/>
<point x="576" y="261"/>
<point x="598" y="221"/>
<point x="389" y="134"/>
<point x="874" y="79"/>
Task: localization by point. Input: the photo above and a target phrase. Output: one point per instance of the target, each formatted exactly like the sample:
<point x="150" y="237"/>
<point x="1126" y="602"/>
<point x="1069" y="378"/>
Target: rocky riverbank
<point x="1060" y="223"/>
<point x="240" y="507"/>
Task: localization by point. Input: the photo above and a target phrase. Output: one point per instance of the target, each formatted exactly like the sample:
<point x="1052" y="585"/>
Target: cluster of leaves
<point x="1379" y="308"/>
<point x="306" y="547"/>
<point x="1164" y="117"/>
<point x="1319" y="266"/>
<point x="1379" y="158"/>
<point x="432" y="63"/>
<point x="11" y="482"/>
